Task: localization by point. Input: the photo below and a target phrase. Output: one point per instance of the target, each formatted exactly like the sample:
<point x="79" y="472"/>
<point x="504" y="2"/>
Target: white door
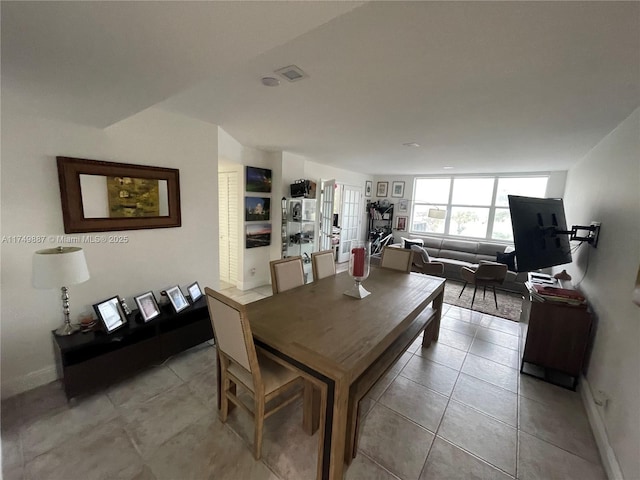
<point x="326" y="214"/>
<point x="228" y="228"/>
<point x="350" y="219"/>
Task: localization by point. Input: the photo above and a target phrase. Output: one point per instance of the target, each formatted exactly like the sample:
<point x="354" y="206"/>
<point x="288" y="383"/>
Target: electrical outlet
<point x="252" y="271"/>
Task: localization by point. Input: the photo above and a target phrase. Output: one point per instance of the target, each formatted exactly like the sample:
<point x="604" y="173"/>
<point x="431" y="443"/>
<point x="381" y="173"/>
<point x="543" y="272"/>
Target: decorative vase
<point x="359" y="268"/>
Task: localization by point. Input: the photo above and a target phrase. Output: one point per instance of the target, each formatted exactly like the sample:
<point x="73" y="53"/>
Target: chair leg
<point x="495" y="298"/>
<point x="475" y="288"/>
<point x="224" y="399"/>
<point x="259" y="423"/>
<point x="463" y="287"/>
<point x="484" y="292"/>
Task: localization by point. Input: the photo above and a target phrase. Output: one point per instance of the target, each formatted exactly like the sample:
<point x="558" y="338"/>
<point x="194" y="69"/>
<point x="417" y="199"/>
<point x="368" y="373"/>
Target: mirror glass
<point x="123" y="197"/>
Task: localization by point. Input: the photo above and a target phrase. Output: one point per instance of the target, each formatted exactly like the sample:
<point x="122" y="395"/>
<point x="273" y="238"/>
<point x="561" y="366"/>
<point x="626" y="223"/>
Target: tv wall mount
<point x="591" y="237"/>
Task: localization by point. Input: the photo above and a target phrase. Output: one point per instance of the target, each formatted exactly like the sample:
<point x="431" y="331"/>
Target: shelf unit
<point x="380" y="220"/>
<point x="301" y="231"/>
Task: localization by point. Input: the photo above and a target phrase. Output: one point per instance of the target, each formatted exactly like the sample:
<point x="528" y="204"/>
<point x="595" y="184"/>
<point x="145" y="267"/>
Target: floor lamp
<point x="58" y="268"/>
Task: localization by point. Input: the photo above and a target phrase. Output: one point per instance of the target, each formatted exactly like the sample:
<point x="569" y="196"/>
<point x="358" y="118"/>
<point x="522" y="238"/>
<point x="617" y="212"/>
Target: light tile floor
<point x="457" y="410"/>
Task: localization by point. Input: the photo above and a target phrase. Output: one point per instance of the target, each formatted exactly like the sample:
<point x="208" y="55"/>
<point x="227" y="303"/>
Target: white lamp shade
<point x="437" y="213"/>
<point x="59" y="267"/>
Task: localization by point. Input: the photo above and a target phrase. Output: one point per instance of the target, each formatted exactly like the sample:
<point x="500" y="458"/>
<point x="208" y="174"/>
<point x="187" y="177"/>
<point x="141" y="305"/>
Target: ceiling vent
<point x="291" y="73"/>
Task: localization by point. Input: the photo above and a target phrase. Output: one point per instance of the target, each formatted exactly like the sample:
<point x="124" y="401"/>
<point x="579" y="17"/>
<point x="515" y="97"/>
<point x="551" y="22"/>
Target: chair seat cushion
<point x="273" y="374"/>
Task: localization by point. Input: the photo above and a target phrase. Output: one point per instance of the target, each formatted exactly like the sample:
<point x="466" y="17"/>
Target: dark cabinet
<point x="88" y="361"/>
<point x="556" y="342"/>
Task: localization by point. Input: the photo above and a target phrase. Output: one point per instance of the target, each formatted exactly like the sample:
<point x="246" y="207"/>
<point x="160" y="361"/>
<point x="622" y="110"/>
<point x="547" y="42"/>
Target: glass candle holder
<point x="359" y="266"/>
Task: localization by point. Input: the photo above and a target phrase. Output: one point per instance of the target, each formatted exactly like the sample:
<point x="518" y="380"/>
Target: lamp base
<point x="357" y="291"/>
<point x="67" y="329"/>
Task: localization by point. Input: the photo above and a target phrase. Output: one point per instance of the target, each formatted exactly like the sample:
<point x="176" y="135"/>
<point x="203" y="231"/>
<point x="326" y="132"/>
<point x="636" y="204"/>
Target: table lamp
<point x="58" y="268"/>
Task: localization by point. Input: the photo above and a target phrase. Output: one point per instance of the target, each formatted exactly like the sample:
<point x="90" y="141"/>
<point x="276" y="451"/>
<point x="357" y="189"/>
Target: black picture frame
<point x="111" y="314"/>
<point x="195" y="292"/>
<point x="176" y="299"/>
<point x="147" y="306"/>
<point x="257" y="235"/>
<point x="258" y="180"/>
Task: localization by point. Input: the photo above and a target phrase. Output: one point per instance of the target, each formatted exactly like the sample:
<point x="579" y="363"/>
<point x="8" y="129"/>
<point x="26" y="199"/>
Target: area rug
<point x="509" y="303"/>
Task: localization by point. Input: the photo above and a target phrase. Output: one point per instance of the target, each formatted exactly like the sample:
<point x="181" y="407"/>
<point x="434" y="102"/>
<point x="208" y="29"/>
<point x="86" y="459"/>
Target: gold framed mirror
<point x="99" y="196"/>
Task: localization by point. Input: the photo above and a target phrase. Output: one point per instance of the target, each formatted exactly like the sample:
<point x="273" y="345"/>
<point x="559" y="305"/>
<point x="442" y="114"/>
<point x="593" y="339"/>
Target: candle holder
<point x="359" y="268"/>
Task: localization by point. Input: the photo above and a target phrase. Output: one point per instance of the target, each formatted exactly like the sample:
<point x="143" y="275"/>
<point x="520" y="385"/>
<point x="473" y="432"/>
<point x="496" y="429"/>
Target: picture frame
<point x="258" y="235"/>
<point x="194" y="292"/>
<point x="147" y="306"/>
<point x="176" y="298"/>
<point x="401" y="224"/>
<point x="381" y="189"/>
<point x="111" y="314"/>
<point x="257" y="209"/>
<point x="368" y="187"/>
<point x="403" y="206"/>
<point x="258" y="180"/>
<point x="397" y="189"/>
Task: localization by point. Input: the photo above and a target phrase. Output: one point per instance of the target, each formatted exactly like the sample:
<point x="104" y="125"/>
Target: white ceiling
<point x="481" y="86"/>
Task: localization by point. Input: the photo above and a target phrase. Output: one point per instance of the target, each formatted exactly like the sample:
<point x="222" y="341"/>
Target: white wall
<point x="150" y="260"/>
<point x="253" y="263"/>
<point x="605" y="187"/>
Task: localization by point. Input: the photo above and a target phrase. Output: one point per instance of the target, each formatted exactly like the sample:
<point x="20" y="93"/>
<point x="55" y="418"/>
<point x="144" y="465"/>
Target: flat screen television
<point x="536" y="224"/>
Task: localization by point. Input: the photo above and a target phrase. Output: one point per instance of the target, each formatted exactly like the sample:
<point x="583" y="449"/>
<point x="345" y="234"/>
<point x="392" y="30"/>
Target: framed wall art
<point x="403" y="205"/>
<point x="397" y="189"/>
<point x="368" y="187"/>
<point x="401" y="223"/>
<point x="381" y="190"/>
<point x="258" y="235"/>
<point x="258" y="180"/>
<point x="257" y="208"/>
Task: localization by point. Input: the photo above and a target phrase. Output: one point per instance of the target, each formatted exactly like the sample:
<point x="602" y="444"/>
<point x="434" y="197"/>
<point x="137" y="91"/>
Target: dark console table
<point x="88" y="361"/>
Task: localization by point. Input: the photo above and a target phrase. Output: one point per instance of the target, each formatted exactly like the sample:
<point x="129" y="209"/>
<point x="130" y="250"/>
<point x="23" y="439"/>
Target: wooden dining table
<point x="333" y="338"/>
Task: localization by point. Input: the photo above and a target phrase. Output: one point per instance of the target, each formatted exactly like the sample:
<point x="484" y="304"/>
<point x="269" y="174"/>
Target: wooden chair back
<point x="322" y="264"/>
<point x="397" y="258"/>
<point x="286" y="273"/>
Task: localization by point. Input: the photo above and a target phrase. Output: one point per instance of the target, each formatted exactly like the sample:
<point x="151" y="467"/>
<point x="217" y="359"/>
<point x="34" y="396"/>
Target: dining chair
<point x="241" y="365"/>
<point x="286" y="273"/>
<point x="397" y="258"/>
<point x="323" y="264"/>
<point x="487" y="274"/>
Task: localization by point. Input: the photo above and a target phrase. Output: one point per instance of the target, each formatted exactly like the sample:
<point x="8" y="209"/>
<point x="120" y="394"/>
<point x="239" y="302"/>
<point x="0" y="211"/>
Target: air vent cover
<point x="291" y="73"/>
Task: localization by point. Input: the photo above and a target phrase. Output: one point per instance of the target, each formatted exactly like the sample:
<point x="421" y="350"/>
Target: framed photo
<point x="397" y="189"/>
<point x="258" y="235"/>
<point x="147" y="306"/>
<point x="111" y="314"/>
<point x="381" y="191"/>
<point x="258" y="180"/>
<point x="368" y="186"/>
<point x="194" y="291"/>
<point x="177" y="299"/>
<point x="403" y="205"/>
<point x="401" y="223"/>
<point x="256" y="208"/>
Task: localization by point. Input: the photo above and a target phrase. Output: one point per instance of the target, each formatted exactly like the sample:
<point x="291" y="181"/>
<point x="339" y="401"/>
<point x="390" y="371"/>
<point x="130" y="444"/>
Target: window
<point x="475" y="207"/>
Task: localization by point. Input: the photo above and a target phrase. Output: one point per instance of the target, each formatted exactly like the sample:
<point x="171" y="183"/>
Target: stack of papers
<point x="556" y="294"/>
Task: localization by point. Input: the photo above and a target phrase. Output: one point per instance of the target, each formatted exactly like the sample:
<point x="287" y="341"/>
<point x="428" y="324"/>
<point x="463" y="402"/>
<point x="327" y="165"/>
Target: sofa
<point x="455" y="254"/>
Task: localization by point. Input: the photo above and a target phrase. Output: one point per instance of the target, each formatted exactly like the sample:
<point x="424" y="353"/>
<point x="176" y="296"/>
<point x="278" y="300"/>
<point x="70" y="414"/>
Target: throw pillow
<point x="407" y="242"/>
<point x="509" y="259"/>
<point x="422" y="251"/>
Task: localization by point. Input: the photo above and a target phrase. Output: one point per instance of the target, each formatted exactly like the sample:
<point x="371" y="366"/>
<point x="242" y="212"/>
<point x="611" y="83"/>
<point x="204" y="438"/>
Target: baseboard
<point x="29" y="381"/>
<point x="607" y="455"/>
